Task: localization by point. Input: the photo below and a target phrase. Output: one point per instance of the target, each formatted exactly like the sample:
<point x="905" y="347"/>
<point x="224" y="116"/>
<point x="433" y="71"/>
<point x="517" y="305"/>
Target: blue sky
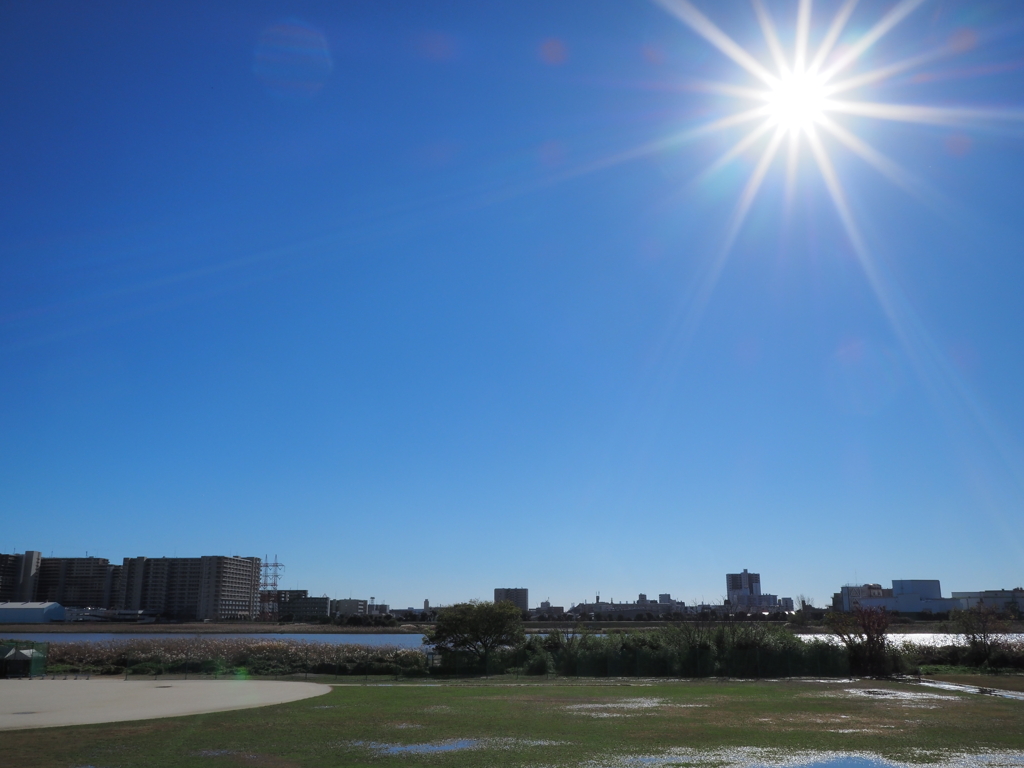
<point x="403" y="294"/>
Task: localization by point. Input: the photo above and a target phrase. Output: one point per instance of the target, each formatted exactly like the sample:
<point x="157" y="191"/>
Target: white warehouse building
<point x="30" y="613"/>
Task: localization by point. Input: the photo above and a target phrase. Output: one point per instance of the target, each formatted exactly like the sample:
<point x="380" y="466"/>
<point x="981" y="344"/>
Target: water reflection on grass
<point x="751" y="757"/>
<point x="420" y="749"/>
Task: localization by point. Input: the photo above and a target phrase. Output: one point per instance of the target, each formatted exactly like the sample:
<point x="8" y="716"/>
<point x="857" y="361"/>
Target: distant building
<point x="348" y="607"/>
<point x="743" y="592"/>
<point x="287" y="595"/>
<point x="906" y="596"/>
<point x="305" y="608"/>
<point x="230" y="588"/>
<point x="18" y="576"/>
<point x="1003" y="600"/>
<point x="518" y="596"/>
<point x="642" y="609"/>
<point x="548" y="610"/>
<point x="212" y="587"/>
<point x="74" y="582"/>
<point x="24" y="612"/>
<point x="78" y="582"/>
<point x="162" y="586"/>
<point x="742" y="585"/>
<point x="849" y="597"/>
<point x="10" y="567"/>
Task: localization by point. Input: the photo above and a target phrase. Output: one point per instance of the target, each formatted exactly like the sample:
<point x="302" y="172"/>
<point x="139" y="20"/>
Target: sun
<point x="797" y="102"/>
<point x="804" y="91"/>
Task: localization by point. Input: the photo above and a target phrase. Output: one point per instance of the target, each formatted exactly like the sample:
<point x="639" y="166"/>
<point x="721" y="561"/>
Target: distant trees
<point x="477" y="628"/>
<point x="357" y="620"/>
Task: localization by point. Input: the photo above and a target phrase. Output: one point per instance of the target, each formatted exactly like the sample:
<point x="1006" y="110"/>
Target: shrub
<point x="225" y="655"/>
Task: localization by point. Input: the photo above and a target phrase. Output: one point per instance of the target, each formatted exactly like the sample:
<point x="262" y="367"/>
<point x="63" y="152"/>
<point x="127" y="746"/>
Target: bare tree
<point x="863" y="633"/>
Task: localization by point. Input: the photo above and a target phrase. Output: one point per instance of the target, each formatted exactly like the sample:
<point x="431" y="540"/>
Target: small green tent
<point x="23" y="659"/>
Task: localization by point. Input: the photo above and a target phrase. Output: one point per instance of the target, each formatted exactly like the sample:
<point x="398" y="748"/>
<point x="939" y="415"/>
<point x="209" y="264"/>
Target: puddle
<point x="960" y="688"/>
<point x="214" y="752"/>
<point x="402" y="726"/>
<point x="856" y="730"/>
<point x="611" y="708"/>
<point x="420" y="749"/>
<point x="887" y="694"/>
<point x="452" y="745"/>
<point x="748" y="757"/>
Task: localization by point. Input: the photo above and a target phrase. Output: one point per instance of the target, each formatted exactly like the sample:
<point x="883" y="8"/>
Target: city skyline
<point x="615" y="299"/>
<point x="743" y="590"/>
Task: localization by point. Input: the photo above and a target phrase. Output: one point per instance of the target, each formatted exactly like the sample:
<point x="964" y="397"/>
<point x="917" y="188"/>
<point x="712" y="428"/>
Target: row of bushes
<point x="1005" y="655"/>
<point x="685" y="650"/>
<point x="737" y="650"/>
<point x="231" y="655"/>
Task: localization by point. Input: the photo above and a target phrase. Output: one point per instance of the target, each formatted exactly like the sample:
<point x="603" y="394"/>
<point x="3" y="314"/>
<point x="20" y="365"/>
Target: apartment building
<point x="212" y="587"/>
<point x="229" y="588"/>
<point x="18" y="576"/>
<point x="78" y="582"/>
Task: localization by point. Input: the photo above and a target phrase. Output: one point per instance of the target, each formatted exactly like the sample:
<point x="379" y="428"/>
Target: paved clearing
<point x="46" y="703"/>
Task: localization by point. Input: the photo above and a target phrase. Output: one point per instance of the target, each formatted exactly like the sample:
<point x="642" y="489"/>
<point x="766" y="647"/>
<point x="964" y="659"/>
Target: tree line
<point x="481" y="638"/>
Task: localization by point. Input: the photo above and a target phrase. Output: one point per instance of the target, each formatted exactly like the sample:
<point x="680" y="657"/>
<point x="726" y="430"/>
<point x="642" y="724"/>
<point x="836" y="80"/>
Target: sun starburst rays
<point x="797" y="94"/>
<point x="804" y="95"/>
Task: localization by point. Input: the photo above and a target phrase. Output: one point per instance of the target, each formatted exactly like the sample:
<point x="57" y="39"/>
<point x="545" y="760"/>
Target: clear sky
<point x="426" y="298"/>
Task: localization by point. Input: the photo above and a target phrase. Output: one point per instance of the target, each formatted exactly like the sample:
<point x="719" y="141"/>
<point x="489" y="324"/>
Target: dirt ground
<point x="47" y="703"/>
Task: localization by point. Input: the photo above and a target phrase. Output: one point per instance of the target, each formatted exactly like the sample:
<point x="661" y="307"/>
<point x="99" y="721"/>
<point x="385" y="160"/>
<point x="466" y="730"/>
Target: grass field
<point x="555" y="723"/>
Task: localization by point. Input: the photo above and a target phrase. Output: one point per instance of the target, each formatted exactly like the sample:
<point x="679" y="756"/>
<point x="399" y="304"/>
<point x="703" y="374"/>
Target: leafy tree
<point x="477" y="628"/>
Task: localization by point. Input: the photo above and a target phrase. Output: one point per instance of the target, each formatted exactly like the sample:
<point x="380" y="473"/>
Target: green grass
<point x="786" y="715"/>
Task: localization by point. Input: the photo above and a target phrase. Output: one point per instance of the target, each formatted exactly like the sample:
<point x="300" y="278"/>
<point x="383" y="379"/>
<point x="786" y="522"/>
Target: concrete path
<point x="47" y="703"/>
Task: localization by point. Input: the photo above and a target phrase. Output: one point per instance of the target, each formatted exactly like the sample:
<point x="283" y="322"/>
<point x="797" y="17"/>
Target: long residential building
<point x="211" y="587"/>
<point x="77" y="582"/>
